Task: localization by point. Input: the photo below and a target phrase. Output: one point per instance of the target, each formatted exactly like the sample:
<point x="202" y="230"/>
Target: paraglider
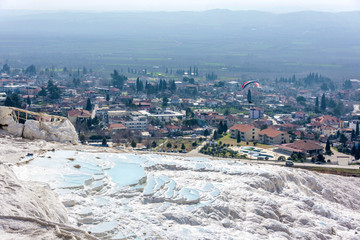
<point x="247" y="83"/>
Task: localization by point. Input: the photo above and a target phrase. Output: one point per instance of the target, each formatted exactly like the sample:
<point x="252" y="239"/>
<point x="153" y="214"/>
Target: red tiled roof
<point x="172" y="127"/>
<point x="116" y="126"/>
<point x="271" y="132"/>
<point x="79" y="113"/>
<point x="241" y="127"/>
<point x="302" y="145"/>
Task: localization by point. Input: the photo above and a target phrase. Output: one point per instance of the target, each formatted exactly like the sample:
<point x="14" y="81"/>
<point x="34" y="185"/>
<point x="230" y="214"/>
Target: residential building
<point x="328" y="130"/>
<point x="307" y="147"/>
<point x="78" y="114"/>
<point x="329" y="120"/>
<point x="135" y="122"/>
<point x="116" y="127"/>
<point x="256" y="113"/>
<point x="271" y="137"/>
<point x="164" y="116"/>
<point x="247" y="133"/>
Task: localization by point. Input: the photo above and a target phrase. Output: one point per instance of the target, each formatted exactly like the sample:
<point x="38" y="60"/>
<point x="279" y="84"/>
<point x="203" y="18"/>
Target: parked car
<point x="289" y="163"/>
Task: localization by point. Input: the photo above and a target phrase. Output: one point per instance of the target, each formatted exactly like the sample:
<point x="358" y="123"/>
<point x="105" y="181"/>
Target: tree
<point x="357" y="152"/>
<point x="28" y="101"/>
<point x="327" y="148"/>
<point x="225" y="127"/>
<point x="206" y="132"/>
<point x="168" y="145"/>
<point x="53" y="90"/>
<point x="353" y="150"/>
<point x="88" y="105"/>
<point x="216" y="135"/>
<point x="189" y="113"/>
<point x="183" y="146"/>
<point x="302" y="135"/>
<point x="221" y="128"/>
<point x="165" y="102"/>
<point x="9" y="102"/>
<point x="317" y="105"/>
<point x="31" y="70"/>
<point x="347" y="85"/>
<point x="343" y="138"/>
<point x="357" y="129"/>
<point x="323" y="102"/>
<point x="238" y="139"/>
<point x="42" y="92"/>
<point x="324" y="86"/>
<point x="227" y="112"/>
<point x="352" y="135"/>
<point x="104" y="142"/>
<point x="6" y="69"/>
<point x="139" y="85"/>
<point x="320" y="158"/>
<point x="76" y="82"/>
<point x="13" y="100"/>
<point x="107" y="97"/>
<point x="133" y="144"/>
<point x="301" y="100"/>
<point x="82" y="138"/>
<point x="249" y="96"/>
<point x="153" y="144"/>
<point x="118" y="80"/>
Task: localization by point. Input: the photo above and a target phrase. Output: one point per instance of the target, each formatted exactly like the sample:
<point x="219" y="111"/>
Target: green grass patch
<point x="232" y="141"/>
<point x="177" y="143"/>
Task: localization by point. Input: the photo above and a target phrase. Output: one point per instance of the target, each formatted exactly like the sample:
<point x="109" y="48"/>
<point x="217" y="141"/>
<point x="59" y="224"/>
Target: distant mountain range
<point x="330" y="40"/>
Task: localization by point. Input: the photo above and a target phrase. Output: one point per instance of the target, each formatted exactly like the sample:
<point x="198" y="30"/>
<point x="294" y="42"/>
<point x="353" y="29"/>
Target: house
<point x="172" y="128"/>
<point x="78" y="114"/>
<point x="299" y="115"/>
<point x="271" y="137"/>
<point x="306" y="147"/>
<point x="247" y="133"/>
<point x="328" y="130"/>
<point x="116" y="127"/>
<point x="329" y="120"/>
<point x="256" y="113"/>
<point x="135" y="122"/>
<point x="288" y="127"/>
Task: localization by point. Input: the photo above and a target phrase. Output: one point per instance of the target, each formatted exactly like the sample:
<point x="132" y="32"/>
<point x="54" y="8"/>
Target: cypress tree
<point x="327" y="147"/>
<point x="317" y="102"/>
<point x="249" y="96"/>
<point x="323" y="102"/>
<point x="225" y="127"/>
<point x="357" y="153"/>
<point x="353" y="150"/>
<point x="220" y="128"/>
<point x="238" y="140"/>
<point x="357" y="129"/>
<point x="88" y="105"/>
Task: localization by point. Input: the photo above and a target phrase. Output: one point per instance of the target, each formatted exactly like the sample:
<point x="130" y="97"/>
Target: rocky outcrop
<point x="60" y="131"/>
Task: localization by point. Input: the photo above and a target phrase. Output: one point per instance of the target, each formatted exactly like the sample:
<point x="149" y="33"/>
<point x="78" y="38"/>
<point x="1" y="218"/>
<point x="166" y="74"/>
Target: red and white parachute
<point x="247" y="83"/>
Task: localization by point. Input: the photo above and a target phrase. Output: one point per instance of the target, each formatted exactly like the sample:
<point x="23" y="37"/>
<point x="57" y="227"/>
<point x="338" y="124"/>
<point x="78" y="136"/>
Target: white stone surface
<point x="198" y="198"/>
<point x="32" y="211"/>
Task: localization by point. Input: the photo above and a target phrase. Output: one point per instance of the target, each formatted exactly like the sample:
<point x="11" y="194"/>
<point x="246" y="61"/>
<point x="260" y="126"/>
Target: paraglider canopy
<point x="247" y="83"/>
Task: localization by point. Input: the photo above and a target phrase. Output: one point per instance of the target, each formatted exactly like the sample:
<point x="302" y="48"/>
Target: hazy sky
<point x="180" y="5"/>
